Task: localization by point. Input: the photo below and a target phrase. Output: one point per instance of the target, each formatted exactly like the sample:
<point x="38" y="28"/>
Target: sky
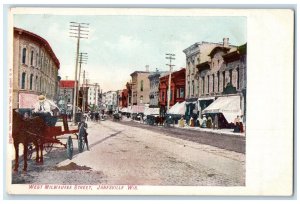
<point x="119" y="45"/>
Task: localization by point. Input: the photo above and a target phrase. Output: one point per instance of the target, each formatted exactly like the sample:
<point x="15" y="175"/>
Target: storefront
<point x="228" y="106"/>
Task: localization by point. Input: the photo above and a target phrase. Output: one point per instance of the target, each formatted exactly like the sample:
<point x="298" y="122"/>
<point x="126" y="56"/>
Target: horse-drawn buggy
<point x="117" y="116"/>
<point x="39" y="130"/>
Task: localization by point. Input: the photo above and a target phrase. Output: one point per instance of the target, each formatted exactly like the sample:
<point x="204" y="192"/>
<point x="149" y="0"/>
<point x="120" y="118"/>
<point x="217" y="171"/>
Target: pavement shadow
<point x="102" y="140"/>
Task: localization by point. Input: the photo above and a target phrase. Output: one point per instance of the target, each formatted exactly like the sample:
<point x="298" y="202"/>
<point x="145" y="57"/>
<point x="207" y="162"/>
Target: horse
<point x="25" y="131"/>
<point x="159" y="120"/>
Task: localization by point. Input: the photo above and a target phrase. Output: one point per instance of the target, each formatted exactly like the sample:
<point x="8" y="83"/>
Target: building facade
<point x="196" y="54"/>
<point x="93" y="95"/>
<point x="177" y="89"/>
<point x="223" y="77"/>
<point x="66" y="94"/>
<point x="154" y="88"/>
<point x="123" y="98"/>
<point x="35" y="69"/>
<point x="140" y="87"/>
<point x="110" y="101"/>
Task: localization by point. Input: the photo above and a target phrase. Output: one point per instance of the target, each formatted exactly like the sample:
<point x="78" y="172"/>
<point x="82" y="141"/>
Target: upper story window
<point x="23" y="80"/>
<point x="142" y="85"/>
<point x="37" y="60"/>
<point x="31" y="57"/>
<point x="31" y="81"/>
<point x="24" y="55"/>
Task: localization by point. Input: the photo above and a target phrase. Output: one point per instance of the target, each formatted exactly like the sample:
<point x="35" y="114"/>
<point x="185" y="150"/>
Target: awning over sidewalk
<point x="178" y="108"/>
<point x="229" y="106"/>
<point x="138" y="109"/>
<point x="151" y="111"/>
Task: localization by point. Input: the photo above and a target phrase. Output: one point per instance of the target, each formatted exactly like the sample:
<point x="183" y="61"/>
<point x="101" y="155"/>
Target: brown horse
<point x="159" y="120"/>
<point x="27" y="131"/>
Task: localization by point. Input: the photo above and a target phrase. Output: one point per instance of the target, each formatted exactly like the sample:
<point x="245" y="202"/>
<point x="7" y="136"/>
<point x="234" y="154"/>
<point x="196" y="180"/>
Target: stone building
<point x="196" y="54"/>
<point x="110" y="101"/>
<point x="223" y="77"/>
<point x="154" y="88"/>
<point x="35" y="69"/>
<point x="140" y="87"/>
<point x="93" y="95"/>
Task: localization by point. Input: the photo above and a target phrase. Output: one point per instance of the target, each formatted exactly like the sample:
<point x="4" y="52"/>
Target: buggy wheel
<point x="29" y="151"/>
<point x="48" y="147"/>
<point x="69" y="148"/>
<point x="81" y="140"/>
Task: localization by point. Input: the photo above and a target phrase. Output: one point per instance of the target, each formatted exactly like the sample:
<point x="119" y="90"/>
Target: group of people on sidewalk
<point x="209" y="122"/>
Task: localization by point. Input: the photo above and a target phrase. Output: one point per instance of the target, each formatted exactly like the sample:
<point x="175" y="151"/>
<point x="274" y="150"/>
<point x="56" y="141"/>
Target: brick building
<point x="177" y="89"/>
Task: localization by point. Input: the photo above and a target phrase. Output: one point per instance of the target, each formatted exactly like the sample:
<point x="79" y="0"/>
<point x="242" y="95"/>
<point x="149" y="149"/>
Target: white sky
<point x="120" y="45"/>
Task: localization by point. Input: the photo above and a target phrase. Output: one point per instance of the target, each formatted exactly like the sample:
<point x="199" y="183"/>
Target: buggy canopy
<point x="229" y="106"/>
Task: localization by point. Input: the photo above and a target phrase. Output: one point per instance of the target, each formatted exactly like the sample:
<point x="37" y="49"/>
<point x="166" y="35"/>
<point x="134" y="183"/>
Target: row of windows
<point x="179" y="94"/>
<point x="216" y="80"/>
<point x="42" y="61"/>
<point x="36" y="84"/>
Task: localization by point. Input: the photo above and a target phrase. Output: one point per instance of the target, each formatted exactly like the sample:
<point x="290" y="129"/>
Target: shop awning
<point x="229" y="106"/>
<point x="151" y="111"/>
<point x="178" y="108"/>
<point x="138" y="109"/>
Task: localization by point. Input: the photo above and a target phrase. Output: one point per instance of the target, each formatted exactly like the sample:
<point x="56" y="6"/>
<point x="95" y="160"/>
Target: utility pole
<point x="82" y="60"/>
<point x="83" y="92"/>
<point x="169" y="57"/>
<point x="77" y="30"/>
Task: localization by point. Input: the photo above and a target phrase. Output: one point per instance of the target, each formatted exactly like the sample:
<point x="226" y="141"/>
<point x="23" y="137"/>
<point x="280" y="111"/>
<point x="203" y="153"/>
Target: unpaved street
<point x="121" y="154"/>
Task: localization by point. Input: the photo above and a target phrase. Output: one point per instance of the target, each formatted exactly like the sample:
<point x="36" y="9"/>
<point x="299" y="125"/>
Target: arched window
<point x="23" y="80"/>
<point x="31" y="81"/>
<point x="24" y="55"/>
<point x="31" y="58"/>
<point x="238" y="77"/>
<point x="37" y="60"/>
<point x="142" y="85"/>
<point x="41" y="84"/>
<point x="36" y="83"/>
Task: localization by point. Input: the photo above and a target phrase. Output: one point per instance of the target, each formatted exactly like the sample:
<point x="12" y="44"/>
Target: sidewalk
<point x="217" y="131"/>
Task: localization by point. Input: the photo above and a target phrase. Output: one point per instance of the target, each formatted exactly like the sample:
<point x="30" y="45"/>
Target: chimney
<point x="225" y="42"/>
<point x="147" y="68"/>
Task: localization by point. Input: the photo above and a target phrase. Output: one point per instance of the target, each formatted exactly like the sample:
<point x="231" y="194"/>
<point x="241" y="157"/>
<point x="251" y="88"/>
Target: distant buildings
<point x="110" y="101"/>
<point x="93" y="95"/>
<point x="66" y="94"/>
<point x="35" y="69"/>
<point x="140" y="87"/>
<point x="154" y="88"/>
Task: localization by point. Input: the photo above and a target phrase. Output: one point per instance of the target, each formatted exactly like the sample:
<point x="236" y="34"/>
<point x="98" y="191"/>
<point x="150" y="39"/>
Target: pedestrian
<point x="209" y="122"/>
<point x="181" y="122"/>
<point x="199" y="121"/>
<point x="203" y="125"/>
<point x="82" y="126"/>
<point x="216" y="122"/>
<point x="192" y="122"/>
<point x="237" y="121"/>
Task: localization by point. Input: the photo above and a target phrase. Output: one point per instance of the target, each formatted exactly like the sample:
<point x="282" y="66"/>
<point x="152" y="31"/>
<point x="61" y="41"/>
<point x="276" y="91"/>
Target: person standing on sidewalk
<point x="216" y="122"/>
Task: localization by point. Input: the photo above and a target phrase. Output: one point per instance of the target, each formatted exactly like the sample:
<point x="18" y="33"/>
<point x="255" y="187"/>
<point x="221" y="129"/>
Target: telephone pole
<point x="83" y="92"/>
<point x="82" y="60"/>
<point x="170" y="57"/>
<point x="77" y="30"/>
